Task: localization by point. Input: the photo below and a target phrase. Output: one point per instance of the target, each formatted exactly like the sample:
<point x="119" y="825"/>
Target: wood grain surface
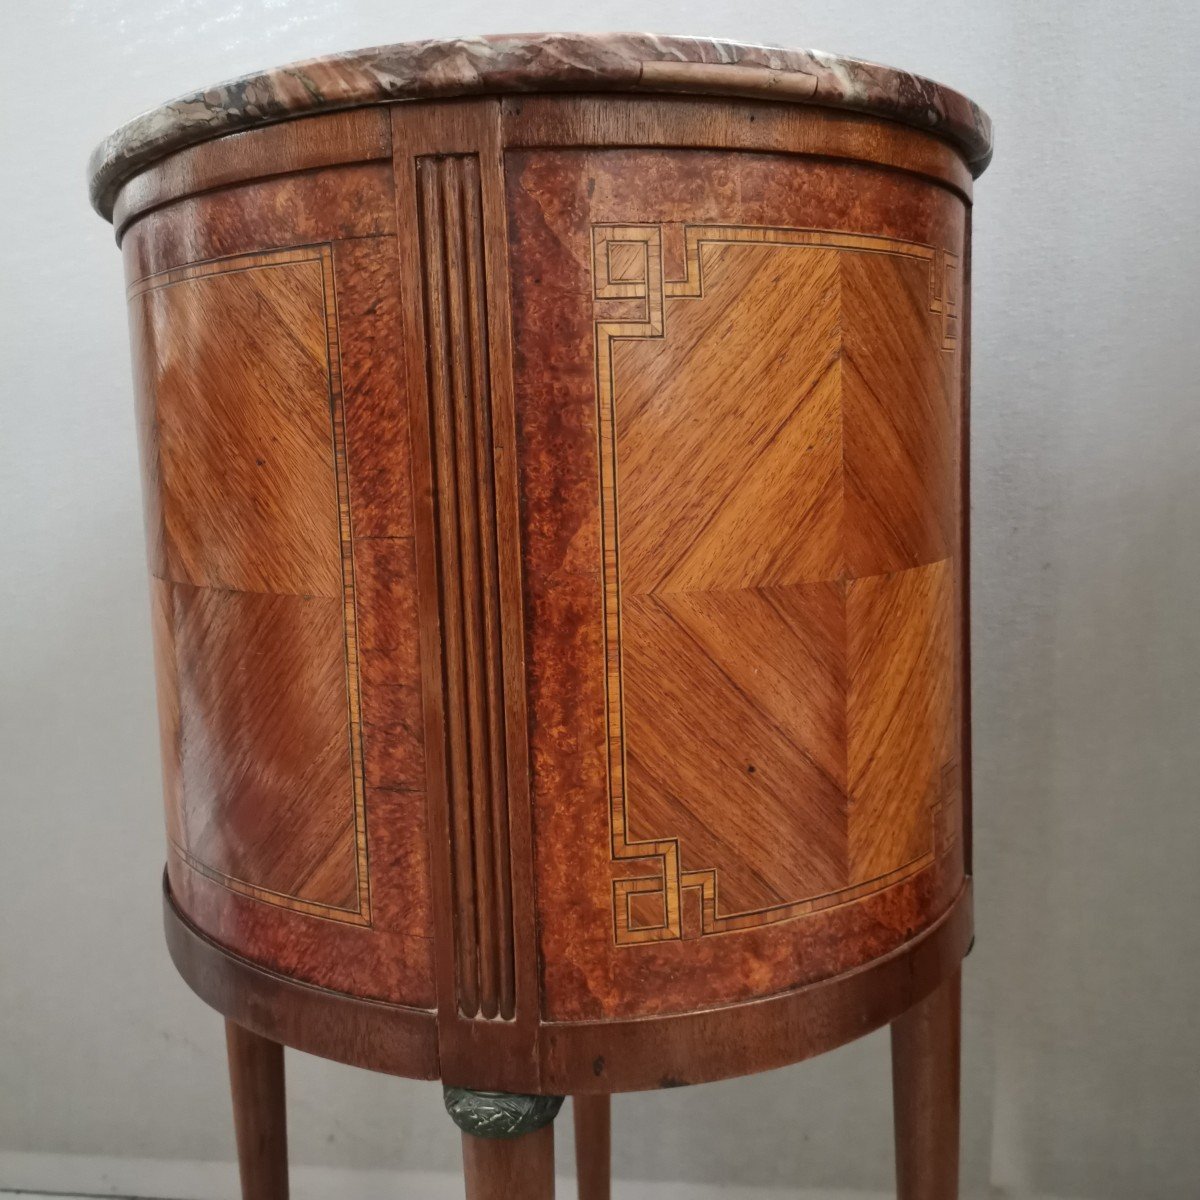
<point x="776" y="411"/>
<point x="280" y="535"/>
<point x="556" y="514"/>
<point x="259" y="1113"/>
<point x="504" y="1168"/>
<point x="593" y="1146"/>
<point x="925" y="1094"/>
<point x="253" y="572"/>
<point x="451" y="207"/>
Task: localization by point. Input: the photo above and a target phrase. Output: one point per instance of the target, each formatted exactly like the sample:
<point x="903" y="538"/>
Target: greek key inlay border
<point x="627" y="265"/>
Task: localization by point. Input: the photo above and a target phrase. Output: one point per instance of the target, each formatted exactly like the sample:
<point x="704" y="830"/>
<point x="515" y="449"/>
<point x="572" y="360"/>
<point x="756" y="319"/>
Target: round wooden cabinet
<point x="555" y="470"/>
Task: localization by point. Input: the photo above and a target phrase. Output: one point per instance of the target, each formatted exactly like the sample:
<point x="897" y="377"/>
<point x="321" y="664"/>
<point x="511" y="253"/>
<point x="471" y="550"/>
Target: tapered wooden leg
<point x="519" y="1168"/>
<point x="593" y="1146"/>
<point x="259" y="1113"/>
<point x="508" y="1143"/>
<point x="925" y="1074"/>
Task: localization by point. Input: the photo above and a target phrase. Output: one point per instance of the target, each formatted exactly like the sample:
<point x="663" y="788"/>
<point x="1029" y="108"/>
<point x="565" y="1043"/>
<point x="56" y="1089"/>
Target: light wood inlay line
<point x="451" y="236"/>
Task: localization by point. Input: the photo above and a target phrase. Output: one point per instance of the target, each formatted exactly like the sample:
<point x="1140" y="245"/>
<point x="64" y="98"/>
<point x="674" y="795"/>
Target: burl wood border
<point x="322" y="255"/>
<point x="646" y="280"/>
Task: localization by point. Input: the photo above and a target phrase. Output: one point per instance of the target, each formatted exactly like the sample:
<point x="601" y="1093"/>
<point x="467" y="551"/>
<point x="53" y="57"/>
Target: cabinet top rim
<point x="527" y="63"/>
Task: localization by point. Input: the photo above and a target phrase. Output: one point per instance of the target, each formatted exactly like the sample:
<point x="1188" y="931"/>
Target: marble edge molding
<point x="543" y="62"/>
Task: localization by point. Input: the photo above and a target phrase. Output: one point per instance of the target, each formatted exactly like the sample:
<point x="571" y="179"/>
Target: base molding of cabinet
<point x="582" y="1057"/>
<point x="363" y="1033"/>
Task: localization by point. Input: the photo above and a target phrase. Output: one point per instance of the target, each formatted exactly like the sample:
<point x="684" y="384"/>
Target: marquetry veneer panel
<point x="556" y="515"/>
<point x="249" y="534"/>
<point x="781" y="423"/>
<point x="746" y="609"/>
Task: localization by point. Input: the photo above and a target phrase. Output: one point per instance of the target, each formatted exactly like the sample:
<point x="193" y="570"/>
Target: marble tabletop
<point x="543" y="62"/>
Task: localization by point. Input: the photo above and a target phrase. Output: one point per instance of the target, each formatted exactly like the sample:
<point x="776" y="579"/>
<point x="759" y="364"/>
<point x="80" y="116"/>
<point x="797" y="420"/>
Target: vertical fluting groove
<point x="438" y="354"/>
<point x="477" y="336"/>
<point x="452" y="247"/>
<point x="465" y="401"/>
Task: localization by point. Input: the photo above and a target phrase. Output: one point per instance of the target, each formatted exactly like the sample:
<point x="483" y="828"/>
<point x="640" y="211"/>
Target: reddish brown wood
<point x="259" y="1113"/>
<point x="363" y="1033"/>
<point x="596" y="1057"/>
<point x="925" y="1090"/>
<point x="703" y="122"/>
<point x="965" y="556"/>
<point x="451" y="210"/>
<point x="556" y="508"/>
<point x="505" y="1168"/>
<point x="697" y="688"/>
<point x="361" y="135"/>
<point x="297" y="584"/>
<point x="457" y="340"/>
<point x="593" y="1146"/>
<point x="758" y="1035"/>
<point x="333" y="205"/>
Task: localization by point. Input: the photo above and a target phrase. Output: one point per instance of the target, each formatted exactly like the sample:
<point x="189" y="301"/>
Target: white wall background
<point x="1082" y="1071"/>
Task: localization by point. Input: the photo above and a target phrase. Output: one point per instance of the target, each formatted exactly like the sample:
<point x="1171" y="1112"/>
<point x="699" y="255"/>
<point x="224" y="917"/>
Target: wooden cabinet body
<point x="556" y="509"/>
